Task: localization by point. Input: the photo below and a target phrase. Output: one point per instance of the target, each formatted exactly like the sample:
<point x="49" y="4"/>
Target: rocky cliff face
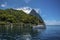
<point x="34" y="13"/>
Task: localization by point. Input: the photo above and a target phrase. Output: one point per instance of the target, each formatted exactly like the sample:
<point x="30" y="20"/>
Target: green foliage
<point x="17" y="16"/>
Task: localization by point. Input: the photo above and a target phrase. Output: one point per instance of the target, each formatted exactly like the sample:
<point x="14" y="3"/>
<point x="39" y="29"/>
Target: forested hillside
<point x="17" y="16"/>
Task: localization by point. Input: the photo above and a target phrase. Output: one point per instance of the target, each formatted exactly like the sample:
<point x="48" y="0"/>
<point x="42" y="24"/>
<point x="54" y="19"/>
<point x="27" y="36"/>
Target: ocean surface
<point x="52" y="32"/>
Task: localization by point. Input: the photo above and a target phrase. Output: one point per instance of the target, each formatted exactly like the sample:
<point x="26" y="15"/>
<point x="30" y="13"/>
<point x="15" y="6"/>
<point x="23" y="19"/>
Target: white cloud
<point x="52" y="22"/>
<point x="27" y="1"/>
<point x="27" y="9"/>
<point x="37" y="10"/>
<point x="4" y="5"/>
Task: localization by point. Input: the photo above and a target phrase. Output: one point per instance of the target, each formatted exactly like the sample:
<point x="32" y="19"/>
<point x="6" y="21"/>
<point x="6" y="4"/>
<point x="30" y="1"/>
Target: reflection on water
<point x="35" y="36"/>
<point x="10" y="32"/>
<point x="51" y="33"/>
<point x="18" y="37"/>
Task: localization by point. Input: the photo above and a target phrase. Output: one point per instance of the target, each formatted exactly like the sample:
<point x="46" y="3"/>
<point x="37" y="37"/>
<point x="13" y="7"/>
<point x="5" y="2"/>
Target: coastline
<point x="40" y="26"/>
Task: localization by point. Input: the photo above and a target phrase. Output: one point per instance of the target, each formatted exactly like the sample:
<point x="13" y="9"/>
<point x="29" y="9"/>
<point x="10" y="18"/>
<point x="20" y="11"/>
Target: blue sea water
<point x="52" y="32"/>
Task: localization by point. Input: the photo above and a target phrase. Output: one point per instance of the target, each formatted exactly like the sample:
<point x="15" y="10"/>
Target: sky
<point x="49" y="10"/>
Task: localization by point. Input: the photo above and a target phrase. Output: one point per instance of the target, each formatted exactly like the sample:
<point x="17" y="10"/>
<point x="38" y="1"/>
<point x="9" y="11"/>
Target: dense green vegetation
<point x="17" y="16"/>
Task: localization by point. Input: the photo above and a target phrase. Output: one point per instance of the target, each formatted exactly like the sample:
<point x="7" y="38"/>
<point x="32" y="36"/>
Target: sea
<point x="52" y="32"/>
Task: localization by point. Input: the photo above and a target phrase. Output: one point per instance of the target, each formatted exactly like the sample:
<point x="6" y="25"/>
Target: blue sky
<point x="49" y="9"/>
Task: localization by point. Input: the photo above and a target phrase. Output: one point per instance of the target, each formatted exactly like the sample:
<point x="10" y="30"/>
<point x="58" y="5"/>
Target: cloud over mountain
<point x="28" y="9"/>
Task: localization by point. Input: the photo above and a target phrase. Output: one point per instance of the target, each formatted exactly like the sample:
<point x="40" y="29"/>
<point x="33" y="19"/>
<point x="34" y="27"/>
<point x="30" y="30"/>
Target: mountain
<point x="31" y="11"/>
<point x="34" y="13"/>
<point x="18" y="16"/>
